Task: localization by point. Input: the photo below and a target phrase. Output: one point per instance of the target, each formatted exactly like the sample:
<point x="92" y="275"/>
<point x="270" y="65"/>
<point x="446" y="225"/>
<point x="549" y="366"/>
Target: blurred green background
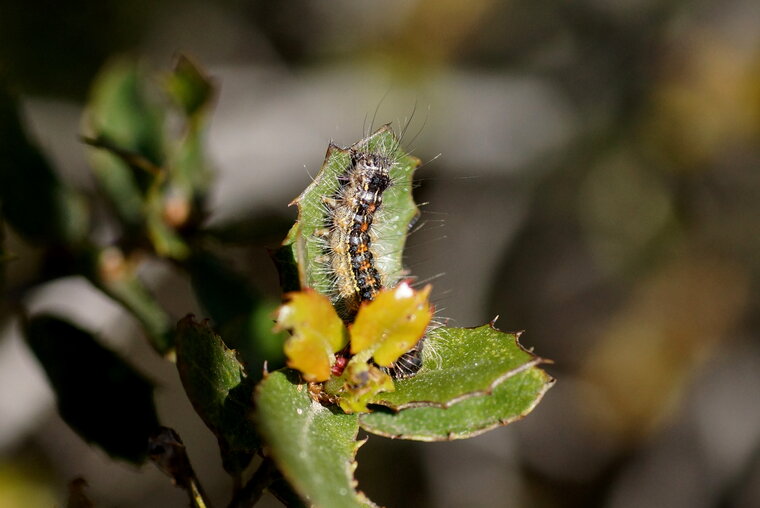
<point x="594" y="180"/>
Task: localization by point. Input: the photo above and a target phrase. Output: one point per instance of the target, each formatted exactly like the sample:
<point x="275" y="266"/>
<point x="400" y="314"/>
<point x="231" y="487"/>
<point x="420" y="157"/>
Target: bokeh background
<point x="593" y="179"/>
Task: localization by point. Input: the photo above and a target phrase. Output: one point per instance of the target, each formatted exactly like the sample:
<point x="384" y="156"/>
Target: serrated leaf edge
<point x="452" y="436"/>
<point x="537" y="360"/>
<point x="351" y="465"/>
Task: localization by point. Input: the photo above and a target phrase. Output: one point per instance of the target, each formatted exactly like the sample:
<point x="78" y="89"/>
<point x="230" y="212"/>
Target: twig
<point x="167" y="452"/>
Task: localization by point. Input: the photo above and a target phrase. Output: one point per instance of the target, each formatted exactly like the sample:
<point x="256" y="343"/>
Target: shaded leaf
<point x="217" y="386"/>
<point x="392" y="323"/>
<point x="312" y="445"/>
<point x="99" y="395"/>
<point x="317" y="333"/>
<point x="35" y="202"/>
<point x="128" y="123"/>
<point x="189" y="86"/>
<point x="122" y="110"/>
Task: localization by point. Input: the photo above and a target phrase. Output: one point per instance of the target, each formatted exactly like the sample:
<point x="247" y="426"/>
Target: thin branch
<point x="167" y="452"/>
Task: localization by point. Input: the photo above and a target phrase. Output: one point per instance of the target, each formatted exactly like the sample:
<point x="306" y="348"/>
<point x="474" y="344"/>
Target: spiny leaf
<point x="510" y="401"/>
<point x="471" y="380"/>
<point x="100" y="396"/>
<point x="459" y="363"/>
<point x="392" y="323"/>
<point x="312" y="445"/>
<point x="317" y="331"/>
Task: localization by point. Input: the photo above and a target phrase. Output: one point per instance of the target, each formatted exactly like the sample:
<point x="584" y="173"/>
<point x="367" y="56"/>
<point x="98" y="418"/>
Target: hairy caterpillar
<point x="356" y="223"/>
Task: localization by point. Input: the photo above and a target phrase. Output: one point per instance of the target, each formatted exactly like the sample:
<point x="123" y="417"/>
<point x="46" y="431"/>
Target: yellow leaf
<point x="317" y="333"/>
<point x="392" y="323"/>
<point x="363" y="382"/>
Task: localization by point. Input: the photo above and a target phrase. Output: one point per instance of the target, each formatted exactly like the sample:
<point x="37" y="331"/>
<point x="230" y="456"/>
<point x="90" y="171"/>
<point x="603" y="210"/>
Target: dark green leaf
<point x="122" y="110"/>
<point x="128" y="125"/>
<point x="35" y="202"/>
<point x="217" y="386"/>
<point x="313" y="446"/>
<point x="99" y="395"/>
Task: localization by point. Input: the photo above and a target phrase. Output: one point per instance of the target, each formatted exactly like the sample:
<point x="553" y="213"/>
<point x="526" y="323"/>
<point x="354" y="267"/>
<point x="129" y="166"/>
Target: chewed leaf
<point x="392" y="323"/>
<point x="362" y="383"/>
<point x="312" y="445"/>
<point x="509" y="402"/>
<point x="317" y="333"/>
<point x="471" y="380"/>
<point x="459" y="363"/>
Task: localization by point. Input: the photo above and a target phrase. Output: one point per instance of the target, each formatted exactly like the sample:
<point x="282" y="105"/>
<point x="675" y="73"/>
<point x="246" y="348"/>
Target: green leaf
<point x="459" y="363"/>
<point x="397" y="198"/>
<point x="100" y="396"/>
<point x="193" y="91"/>
<point x="317" y="333"/>
<point x="313" y="446"/>
<point x="35" y="202"/>
<point x="127" y="122"/>
<point x="471" y="380"/>
<point x="510" y="401"/>
<point x="122" y="110"/>
<point x="217" y="386"/>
